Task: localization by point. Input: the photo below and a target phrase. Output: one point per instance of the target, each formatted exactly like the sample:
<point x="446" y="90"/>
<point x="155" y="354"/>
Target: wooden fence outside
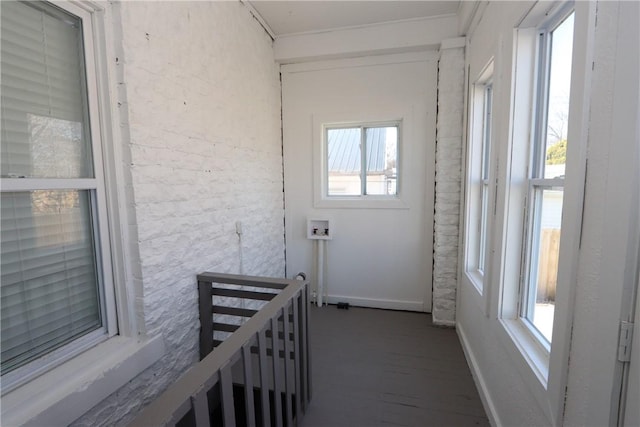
<point x="548" y="265"/>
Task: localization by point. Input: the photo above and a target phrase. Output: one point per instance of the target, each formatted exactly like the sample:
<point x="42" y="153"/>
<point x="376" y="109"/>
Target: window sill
<point x="62" y="395"/>
<point x="476" y="279"/>
<point x="532" y="351"/>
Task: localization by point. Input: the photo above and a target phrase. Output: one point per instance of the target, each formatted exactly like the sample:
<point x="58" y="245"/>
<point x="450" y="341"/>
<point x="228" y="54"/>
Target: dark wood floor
<point x="381" y="367"/>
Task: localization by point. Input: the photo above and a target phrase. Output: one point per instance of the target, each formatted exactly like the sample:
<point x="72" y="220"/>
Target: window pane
<point x="382" y="155"/>
<point x="484" y="194"/>
<point x="545" y="250"/>
<point x="45" y="125"/>
<point x="49" y="282"/>
<point x="483" y="225"/>
<point x="558" y="99"/>
<point x="486" y="131"/>
<point x="344" y="160"/>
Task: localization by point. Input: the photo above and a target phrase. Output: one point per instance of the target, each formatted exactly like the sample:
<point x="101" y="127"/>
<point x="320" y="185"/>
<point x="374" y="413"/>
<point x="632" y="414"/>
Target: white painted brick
<point x="446" y="230"/>
<point x="444" y="240"/>
<point x="452" y="173"/>
<point x="201" y="109"/>
<point x="450" y="125"/>
<point x="447" y="197"/>
<point x="450" y="155"/>
<point x="450" y="141"/>
<point x="448" y="183"/>
<point x="447" y="208"/>
<point x="445" y="294"/>
<point x="446" y="219"/>
<point x="447" y="281"/>
<point x="448" y="186"/>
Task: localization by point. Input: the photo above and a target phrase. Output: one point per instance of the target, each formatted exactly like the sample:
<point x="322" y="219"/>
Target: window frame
<point x="66" y="391"/>
<point x="363" y="126"/>
<point x="96" y="189"/>
<point x="356" y="118"/>
<point x="536" y="183"/>
<point x="542" y="359"/>
<point x="479" y="192"/>
<point x="484" y="174"/>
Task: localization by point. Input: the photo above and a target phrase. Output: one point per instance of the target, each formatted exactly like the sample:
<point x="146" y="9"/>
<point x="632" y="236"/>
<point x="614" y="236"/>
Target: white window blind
<point x="51" y="274"/>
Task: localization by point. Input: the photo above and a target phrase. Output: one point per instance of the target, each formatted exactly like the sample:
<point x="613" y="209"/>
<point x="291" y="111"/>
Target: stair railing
<point x="238" y="380"/>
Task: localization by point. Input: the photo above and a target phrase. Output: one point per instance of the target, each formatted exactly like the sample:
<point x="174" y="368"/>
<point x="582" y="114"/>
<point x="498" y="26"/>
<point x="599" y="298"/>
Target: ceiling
<point x="297" y="16"/>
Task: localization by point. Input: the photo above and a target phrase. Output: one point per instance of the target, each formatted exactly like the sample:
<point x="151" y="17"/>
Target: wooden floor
<point x="388" y="368"/>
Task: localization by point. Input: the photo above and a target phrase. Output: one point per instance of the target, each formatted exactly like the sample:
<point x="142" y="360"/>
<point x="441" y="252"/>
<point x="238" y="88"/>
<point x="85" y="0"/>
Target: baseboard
<point x="446" y="323"/>
<point x="478" y="379"/>
<point x="378" y="303"/>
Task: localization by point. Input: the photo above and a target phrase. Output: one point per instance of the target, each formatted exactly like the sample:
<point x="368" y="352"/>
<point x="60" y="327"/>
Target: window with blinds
<point x="51" y="255"/>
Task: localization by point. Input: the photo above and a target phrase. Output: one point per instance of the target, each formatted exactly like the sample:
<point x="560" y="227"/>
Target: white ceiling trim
<point x="367" y="61"/>
<point x="259" y="18"/>
<point x="376" y="39"/>
<point x="295" y="17"/>
<point x="361" y="26"/>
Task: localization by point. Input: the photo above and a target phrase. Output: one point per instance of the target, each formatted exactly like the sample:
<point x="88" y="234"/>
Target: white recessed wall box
<point x="319" y="229"/>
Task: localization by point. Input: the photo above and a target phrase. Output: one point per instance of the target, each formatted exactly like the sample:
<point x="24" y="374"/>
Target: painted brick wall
<point x="449" y="130"/>
<point x="199" y="94"/>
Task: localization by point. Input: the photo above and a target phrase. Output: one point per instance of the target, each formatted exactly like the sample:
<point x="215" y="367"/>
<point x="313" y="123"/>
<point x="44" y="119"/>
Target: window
<point x="57" y="291"/>
<point x="484" y="172"/>
<point x="478" y="189"/>
<point x="362" y="160"/>
<point x="535" y="186"/>
<point x="546" y="175"/>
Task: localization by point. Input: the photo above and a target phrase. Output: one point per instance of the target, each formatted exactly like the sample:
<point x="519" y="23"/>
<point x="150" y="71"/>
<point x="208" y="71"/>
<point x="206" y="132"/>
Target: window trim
<point x="479" y="164"/>
<point x="320" y="121"/>
<point x="548" y="366"/>
<point x="535" y="181"/>
<point x="363" y="159"/>
<point x="109" y="160"/>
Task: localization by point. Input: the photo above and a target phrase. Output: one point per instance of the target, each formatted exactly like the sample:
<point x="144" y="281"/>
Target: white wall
<point x="608" y="258"/>
<point x="582" y="364"/>
<point x="199" y="93"/>
<point x="378" y="256"/>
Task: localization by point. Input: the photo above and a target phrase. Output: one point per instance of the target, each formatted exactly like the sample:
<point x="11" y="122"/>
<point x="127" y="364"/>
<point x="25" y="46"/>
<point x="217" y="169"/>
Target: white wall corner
<point x="466" y="13"/>
<point x="259" y="18"/>
<point x="453" y="43"/>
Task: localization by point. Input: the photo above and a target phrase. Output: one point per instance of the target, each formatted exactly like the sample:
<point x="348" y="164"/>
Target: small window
<point x="546" y="176"/>
<point x="478" y="186"/>
<point x="362" y="160"/>
<point x="55" y="253"/>
<point x="484" y="169"/>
